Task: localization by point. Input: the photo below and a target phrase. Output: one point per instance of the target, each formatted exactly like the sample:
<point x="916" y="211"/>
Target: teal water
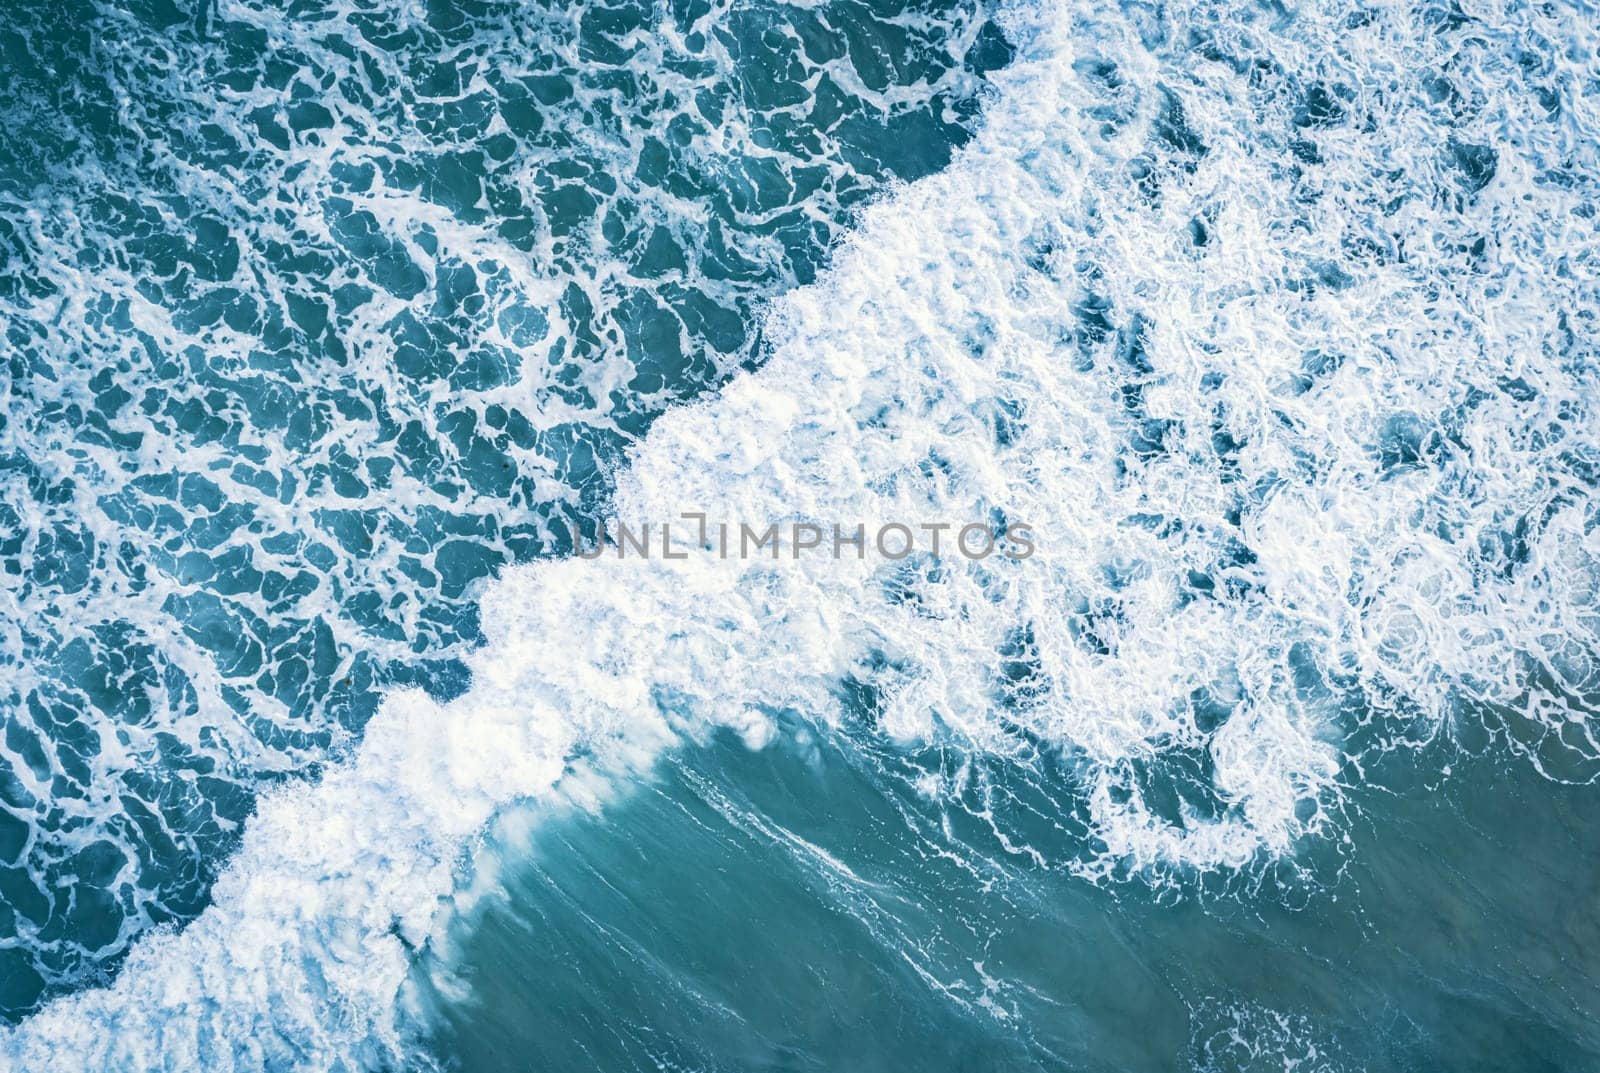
<point x="804" y="907"/>
<point x="324" y="324"/>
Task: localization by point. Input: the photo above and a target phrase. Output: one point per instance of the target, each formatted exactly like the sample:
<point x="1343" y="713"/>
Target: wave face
<point x="1278" y="329"/>
<point x="836" y="901"/>
<point x="315" y="318"/>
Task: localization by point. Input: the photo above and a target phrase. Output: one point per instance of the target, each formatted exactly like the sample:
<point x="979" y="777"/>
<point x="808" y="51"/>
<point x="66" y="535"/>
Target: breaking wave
<point x="1276" y="327"/>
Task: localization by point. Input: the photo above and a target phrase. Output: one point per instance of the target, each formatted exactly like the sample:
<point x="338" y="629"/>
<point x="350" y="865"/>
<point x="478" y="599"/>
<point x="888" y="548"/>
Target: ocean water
<point x="317" y="316"/>
<point x="806" y="908"/>
<point x="1275" y="325"/>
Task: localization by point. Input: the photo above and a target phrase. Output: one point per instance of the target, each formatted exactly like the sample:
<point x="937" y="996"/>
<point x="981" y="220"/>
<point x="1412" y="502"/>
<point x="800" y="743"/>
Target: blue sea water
<point x="323" y="322"/>
<point x="805" y="908"/>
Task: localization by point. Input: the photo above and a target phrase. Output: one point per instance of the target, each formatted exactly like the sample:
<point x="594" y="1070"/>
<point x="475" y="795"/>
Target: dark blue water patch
<point x="812" y="906"/>
<point x="1322" y="106"/>
<point x="1176" y="785"/>
<point x="316" y="319"/>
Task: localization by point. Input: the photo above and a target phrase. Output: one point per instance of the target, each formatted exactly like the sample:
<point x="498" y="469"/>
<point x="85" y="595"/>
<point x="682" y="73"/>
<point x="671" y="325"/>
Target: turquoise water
<point x="803" y="907"/>
<point x="326" y="325"/>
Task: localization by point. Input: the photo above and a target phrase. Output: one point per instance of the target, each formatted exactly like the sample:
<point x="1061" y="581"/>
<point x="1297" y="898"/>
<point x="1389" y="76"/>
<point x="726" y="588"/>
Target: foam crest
<point x="1282" y="354"/>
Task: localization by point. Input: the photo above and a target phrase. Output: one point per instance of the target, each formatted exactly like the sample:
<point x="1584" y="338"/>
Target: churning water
<point x="1277" y="325"/>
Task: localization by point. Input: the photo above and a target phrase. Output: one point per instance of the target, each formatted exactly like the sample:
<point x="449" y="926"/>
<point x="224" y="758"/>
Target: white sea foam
<point x="1337" y="451"/>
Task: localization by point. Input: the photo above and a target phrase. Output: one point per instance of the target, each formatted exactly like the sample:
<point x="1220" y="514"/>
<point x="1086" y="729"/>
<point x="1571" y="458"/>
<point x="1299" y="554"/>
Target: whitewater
<point x="1287" y="355"/>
